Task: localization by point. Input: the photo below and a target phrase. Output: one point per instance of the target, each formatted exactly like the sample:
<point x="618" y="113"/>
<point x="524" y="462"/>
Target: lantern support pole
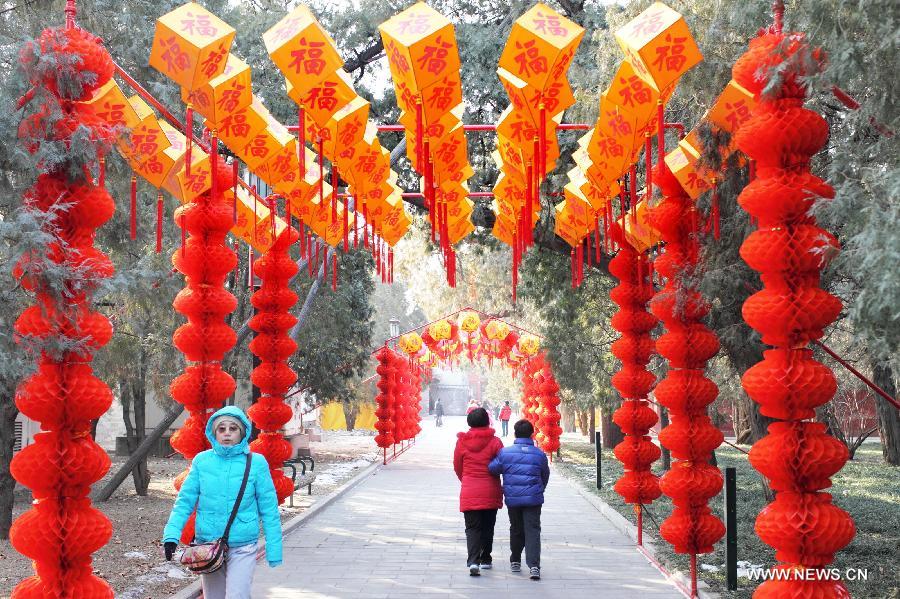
<point x="858" y="374"/>
<point x="71" y="11"/>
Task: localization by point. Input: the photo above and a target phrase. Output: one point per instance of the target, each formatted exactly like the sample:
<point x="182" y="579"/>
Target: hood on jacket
<point x="241" y="447"/>
<point x="476" y="439"/>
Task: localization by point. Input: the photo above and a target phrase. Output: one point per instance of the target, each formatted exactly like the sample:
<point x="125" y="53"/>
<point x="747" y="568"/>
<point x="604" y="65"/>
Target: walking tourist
<point x="438" y="413"/>
<point x="214" y="484"/>
<point x="480" y="496"/>
<point x="472" y="405"/>
<point x="525" y="474"/>
<point x="505" y="413"/>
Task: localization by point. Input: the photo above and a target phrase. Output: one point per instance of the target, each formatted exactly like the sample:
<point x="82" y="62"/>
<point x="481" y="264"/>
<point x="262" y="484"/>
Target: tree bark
<point x="139" y="453"/>
<point x="350" y="413"/>
<point x="610" y="432"/>
<point x="592" y="424"/>
<point x="663" y="423"/>
<point x="140" y="473"/>
<point x="888" y="415"/>
<point x="8" y="413"/>
<point x="581" y="418"/>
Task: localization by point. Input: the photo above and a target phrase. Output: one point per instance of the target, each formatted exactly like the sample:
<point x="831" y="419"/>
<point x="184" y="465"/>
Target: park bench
<point x="306" y="477"/>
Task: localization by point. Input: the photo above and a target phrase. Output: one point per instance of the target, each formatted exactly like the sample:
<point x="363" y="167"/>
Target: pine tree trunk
<point x="610" y="432"/>
<point x="663" y="423"/>
<point x="350" y="413"/>
<point x="888" y="415"/>
<point x="140" y="474"/>
<point x="582" y="421"/>
<point x="8" y="413"/>
<point x="740" y="419"/>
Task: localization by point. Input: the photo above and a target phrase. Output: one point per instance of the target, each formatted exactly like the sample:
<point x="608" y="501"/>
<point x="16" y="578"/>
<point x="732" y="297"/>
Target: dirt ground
<point x="133" y="562"/>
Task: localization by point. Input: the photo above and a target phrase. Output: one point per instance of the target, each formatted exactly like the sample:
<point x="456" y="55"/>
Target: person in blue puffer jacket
<point x="212" y="486"/>
<point x="525" y="472"/>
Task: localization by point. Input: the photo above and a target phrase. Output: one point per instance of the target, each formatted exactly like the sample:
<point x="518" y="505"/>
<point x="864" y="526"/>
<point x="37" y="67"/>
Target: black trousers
<point x="525" y="533"/>
<point x="480" y="535"/>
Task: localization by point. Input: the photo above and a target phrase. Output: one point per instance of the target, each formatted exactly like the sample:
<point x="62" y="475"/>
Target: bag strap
<point x="240" y="495"/>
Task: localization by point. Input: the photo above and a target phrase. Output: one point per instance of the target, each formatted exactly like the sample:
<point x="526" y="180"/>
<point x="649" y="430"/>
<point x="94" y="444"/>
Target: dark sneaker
<point x="515" y="566"/>
<point x="474" y="570"/>
<point x="535" y="573"/>
<point x="486" y="566"/>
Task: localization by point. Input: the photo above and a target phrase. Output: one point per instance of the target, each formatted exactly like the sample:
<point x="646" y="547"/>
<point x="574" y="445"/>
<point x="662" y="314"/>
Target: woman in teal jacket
<point x="212" y="486"/>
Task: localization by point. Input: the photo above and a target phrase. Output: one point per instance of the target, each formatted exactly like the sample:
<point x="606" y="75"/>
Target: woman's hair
<point x="478" y="418"/>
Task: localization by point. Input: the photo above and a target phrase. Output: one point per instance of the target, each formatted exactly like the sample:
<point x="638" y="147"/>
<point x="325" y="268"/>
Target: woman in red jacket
<point x="481" y="495"/>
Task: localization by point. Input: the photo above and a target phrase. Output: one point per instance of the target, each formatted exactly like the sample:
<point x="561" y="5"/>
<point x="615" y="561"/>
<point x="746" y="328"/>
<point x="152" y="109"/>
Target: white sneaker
<point x="535" y="573"/>
<point x="474" y="570"/>
<point x="486" y="566"/>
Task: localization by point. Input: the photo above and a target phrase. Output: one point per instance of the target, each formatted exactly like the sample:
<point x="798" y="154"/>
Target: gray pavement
<point x="400" y="534"/>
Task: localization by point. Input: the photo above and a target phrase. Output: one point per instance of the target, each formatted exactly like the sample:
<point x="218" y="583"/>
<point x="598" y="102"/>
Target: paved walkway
<point x="400" y="534"/>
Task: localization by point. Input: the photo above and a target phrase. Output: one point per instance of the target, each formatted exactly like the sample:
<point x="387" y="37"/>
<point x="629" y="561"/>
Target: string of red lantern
<point x="205" y="260"/>
<point x="547" y="414"/>
<point x="687" y="344"/>
<point x="790" y="251"/>
<point x="385" y="398"/>
<point x="273" y="346"/>
<point x="635" y="417"/>
<point x="62" y="529"/>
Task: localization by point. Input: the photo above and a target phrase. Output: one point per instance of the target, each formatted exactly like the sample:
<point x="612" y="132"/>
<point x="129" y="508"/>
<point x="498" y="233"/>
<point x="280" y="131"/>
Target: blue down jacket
<point x="525" y="473"/>
<point x="213" y="484"/>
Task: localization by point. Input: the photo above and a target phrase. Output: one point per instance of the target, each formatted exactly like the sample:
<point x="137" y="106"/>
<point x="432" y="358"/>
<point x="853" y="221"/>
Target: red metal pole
<point x="640" y="524"/>
<point x="859" y="375"/>
<point x="70" y="11"/>
<point x="693" y="575"/>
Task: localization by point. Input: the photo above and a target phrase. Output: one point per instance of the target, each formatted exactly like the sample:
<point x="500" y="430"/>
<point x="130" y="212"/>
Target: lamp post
<point x="395" y="327"/>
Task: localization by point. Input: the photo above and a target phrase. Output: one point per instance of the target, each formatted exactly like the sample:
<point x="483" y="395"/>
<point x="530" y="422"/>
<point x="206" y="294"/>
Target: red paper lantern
<point x="790" y="250"/>
<point x="687" y="344"/>
<point x="61" y="530"/>
<point x="633" y="381"/>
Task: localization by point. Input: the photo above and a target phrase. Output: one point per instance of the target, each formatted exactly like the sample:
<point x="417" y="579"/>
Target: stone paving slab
<point x="399" y="534"/>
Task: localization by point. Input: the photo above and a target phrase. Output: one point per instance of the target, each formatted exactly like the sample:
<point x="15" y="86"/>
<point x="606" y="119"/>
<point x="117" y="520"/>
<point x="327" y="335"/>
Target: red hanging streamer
<point x="301" y="146"/>
<point x="234" y="174"/>
<point x="189" y="136"/>
<point x="159" y="222"/>
<point x="346" y="228"/>
<point x="133" y="216"/>
<point x="355" y="229"/>
<point x="102" y="169"/>
<point x="334" y="191"/>
<point x="334" y="271"/>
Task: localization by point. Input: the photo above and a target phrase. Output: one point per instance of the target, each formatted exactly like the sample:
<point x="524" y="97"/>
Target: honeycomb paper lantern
<point x="791" y="310"/>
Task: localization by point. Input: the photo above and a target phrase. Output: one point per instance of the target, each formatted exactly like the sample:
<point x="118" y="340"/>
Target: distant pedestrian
<point x="505" y="413"/>
<point x="480" y="496"/>
<point x="473" y="405"/>
<point x="211" y="488"/>
<point x="438" y="413"/>
<point x="525" y="474"/>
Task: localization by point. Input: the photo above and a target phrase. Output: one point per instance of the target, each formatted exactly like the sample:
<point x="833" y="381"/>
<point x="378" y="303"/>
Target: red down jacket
<point x="474" y="451"/>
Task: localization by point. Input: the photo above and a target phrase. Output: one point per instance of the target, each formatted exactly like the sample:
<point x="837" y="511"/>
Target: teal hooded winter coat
<point x="213" y="484"/>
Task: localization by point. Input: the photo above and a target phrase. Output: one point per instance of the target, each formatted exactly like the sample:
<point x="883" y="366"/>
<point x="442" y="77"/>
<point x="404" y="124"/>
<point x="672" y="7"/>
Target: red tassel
<point x="234" y="174"/>
<point x="648" y="175"/>
<point x="321" y="178"/>
<point x="318" y="258"/>
<point x="251" y="255"/>
<point x="587" y="250"/>
<point x="632" y="190"/>
<point x="572" y="267"/>
<point x="133" y="218"/>
<point x="189" y="136"/>
<point x="273" y="214"/>
<point x="325" y="262"/>
<point x="214" y="163"/>
<point x="365" y="227"/>
<point x="346" y="228"/>
<point x="159" y="222"/>
<point x="334" y="273"/>
<point x="714" y="212"/>
<point x="301" y="147"/>
<point x="334" y="192"/>
<point x="580" y="264"/>
<point x="390" y="265"/>
<point x="102" y="169"/>
<point x="255" y="212"/>
<point x="302" y="228"/>
<point x="355" y="229"/>
<point x="597" y="255"/>
<point x="309" y="259"/>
